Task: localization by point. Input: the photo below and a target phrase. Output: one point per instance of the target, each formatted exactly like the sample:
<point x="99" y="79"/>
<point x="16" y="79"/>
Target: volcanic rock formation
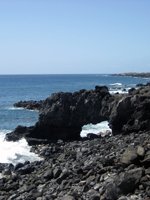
<point x="62" y="115"/>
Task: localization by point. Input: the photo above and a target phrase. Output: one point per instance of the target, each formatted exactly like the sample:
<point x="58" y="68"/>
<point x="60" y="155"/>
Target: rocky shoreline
<point x="104" y="168"/>
<point x="135" y="74"/>
<point x="108" y="168"/>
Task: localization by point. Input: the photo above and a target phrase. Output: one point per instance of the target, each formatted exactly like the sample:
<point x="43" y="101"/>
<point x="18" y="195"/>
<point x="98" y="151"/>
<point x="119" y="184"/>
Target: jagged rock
<point x="27" y="169"/>
<point x="131" y="113"/>
<point x="31" y="105"/>
<point x="62" y="115"/>
<point x="18" y="133"/>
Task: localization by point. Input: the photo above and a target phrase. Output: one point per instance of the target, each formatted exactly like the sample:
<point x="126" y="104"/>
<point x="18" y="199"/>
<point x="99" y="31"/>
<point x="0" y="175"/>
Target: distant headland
<point x="135" y="74"/>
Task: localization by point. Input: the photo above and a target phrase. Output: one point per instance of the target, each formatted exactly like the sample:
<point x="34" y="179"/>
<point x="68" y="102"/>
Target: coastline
<point x="104" y="168"/>
<point x="134" y="74"/>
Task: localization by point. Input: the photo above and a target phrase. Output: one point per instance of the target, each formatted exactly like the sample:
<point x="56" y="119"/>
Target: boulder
<point x="129" y="156"/>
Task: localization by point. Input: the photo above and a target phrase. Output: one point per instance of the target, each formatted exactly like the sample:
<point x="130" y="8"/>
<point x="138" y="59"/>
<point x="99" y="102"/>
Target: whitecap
<point x="15" y="108"/>
<point x="116" y="84"/>
<point x="21" y="108"/>
<point x="118" y="91"/>
<point x="15" y="152"/>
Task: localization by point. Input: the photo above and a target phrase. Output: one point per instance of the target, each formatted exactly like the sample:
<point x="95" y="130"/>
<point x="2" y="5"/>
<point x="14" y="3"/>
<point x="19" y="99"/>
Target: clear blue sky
<point x="74" y="36"/>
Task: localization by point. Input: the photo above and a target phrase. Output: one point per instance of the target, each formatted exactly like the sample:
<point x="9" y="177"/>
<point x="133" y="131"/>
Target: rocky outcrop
<point x="18" y="133"/>
<point x="135" y="74"/>
<point x="62" y="115"/>
<point x="31" y="105"/>
<point x="131" y="113"/>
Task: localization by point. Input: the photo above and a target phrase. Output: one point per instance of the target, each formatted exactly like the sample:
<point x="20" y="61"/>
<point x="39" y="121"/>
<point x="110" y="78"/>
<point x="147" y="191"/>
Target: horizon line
<point x="115" y="73"/>
<point x="62" y="74"/>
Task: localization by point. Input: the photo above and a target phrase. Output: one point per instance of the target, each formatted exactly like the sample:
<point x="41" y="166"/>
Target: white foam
<point x="116" y="84"/>
<point x="15" y="108"/>
<point x="15" y="152"/>
<point x="118" y="91"/>
<point x="100" y="128"/>
<point x="21" y="108"/>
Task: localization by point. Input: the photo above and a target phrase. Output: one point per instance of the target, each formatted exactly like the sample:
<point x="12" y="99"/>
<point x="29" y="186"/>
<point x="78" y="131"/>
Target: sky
<point x="74" y="36"/>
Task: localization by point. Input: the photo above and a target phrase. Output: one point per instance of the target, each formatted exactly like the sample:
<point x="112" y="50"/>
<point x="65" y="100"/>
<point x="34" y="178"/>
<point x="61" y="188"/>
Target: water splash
<point x="15" y="152"/>
<point x="99" y="129"/>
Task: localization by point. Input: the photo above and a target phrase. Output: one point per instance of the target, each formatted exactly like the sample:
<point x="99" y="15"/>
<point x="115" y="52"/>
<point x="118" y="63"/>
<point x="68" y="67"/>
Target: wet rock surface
<point x="88" y="169"/>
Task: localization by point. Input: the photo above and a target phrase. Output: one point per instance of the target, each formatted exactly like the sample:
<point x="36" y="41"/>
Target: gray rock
<point x="129" y="156"/>
<point x="68" y="197"/>
<point x="130" y="180"/>
<point x="111" y="192"/>
<point x="147" y="171"/>
<point x="48" y="174"/>
<point x="140" y="151"/>
<point x="123" y="198"/>
<point x="63" y="176"/>
<point x="56" y="172"/>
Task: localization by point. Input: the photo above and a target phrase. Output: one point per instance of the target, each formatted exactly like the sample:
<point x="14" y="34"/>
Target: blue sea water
<point x="14" y="88"/>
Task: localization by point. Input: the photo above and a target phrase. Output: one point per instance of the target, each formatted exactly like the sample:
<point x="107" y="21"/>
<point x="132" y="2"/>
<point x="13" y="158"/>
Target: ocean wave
<point x="116" y="84"/>
<point x="118" y="91"/>
<point x="99" y="128"/>
<point x="15" y="108"/>
<point x="21" y="108"/>
<point x="15" y="152"/>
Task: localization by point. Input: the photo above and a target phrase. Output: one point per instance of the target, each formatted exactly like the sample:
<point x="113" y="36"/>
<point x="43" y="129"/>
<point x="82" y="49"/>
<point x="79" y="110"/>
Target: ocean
<point x="14" y="88"/>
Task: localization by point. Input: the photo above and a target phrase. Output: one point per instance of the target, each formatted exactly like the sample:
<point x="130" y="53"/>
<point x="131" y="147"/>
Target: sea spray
<point x="99" y="129"/>
<point x="15" y="152"/>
